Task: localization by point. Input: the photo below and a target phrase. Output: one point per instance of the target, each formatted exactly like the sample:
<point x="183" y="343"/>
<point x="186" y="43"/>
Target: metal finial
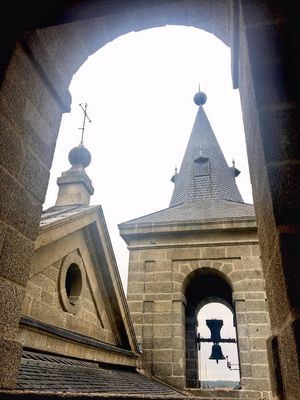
<point x="176" y="170"/>
<point x="233" y="163"/>
<point x="85" y="116"/>
<point x="200" y="97"/>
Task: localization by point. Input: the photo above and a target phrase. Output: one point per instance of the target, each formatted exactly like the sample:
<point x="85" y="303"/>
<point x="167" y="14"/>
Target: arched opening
<point x="210" y="305"/>
<point x="144" y="104"/>
<point x="34" y="95"/>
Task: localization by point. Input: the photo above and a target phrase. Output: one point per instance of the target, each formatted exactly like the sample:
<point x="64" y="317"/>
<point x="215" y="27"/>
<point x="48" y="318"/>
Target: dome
<point x="79" y="155"/>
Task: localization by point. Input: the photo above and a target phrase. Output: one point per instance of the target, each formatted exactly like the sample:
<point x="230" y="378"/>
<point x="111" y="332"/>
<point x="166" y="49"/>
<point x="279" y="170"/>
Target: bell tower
<point x="201" y="249"/>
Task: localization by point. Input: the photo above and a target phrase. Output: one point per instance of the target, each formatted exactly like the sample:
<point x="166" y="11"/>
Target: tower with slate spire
<point x="203" y="246"/>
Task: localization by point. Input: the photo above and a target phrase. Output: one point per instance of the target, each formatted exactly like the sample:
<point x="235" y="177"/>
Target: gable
<point x="75" y="287"/>
<point x="65" y="292"/>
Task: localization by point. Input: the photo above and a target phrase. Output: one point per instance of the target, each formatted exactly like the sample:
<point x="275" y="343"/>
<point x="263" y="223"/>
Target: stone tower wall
<point x="157" y="304"/>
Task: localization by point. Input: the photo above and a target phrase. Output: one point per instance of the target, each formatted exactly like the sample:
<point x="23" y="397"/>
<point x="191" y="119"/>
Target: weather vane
<point x="85" y="116"/>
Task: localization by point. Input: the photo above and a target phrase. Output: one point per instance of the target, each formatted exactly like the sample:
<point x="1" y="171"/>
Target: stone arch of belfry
<point x="37" y="64"/>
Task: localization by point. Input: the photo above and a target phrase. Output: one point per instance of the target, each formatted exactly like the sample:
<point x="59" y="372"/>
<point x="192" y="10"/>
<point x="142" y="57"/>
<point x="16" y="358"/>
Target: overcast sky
<point x="139" y="89"/>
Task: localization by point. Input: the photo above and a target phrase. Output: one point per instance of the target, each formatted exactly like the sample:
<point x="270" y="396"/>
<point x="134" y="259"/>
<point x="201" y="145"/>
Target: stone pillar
<point x="192" y="374"/>
<point x="269" y="87"/>
<point x="31" y="104"/>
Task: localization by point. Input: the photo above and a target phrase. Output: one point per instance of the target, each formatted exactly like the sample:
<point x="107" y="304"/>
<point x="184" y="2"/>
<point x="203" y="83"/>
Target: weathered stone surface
<point x="10" y="356"/>
<point x="11" y="299"/>
<point x="15" y="257"/>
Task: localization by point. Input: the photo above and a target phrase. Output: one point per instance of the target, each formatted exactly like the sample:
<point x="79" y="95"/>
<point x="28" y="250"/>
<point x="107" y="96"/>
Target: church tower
<point x="203" y="248"/>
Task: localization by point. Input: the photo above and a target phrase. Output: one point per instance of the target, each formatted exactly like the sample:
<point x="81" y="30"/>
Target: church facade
<point x="202" y="248"/>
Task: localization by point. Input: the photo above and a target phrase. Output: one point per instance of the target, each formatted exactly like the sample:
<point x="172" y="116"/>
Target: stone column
<point x="192" y="373"/>
<point x="30" y="118"/>
<point x="269" y="86"/>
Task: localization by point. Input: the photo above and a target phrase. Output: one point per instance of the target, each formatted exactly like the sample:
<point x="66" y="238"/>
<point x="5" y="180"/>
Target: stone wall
<point x="156" y="284"/>
<point x="44" y="301"/>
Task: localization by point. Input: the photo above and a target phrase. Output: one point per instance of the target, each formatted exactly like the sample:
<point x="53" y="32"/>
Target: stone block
<point x="163" y="287"/>
<point x="34" y="175"/>
<point x="149" y="277"/>
<point x="15" y="257"/>
<point x="249" y="263"/>
<point x="239" y="251"/>
<point x="255" y="305"/>
<point x="227" y="269"/>
<point x="148" y="306"/>
<point x="214" y="252"/>
<point x="162" y="369"/>
<point x="135" y="306"/>
<point x="18" y="208"/>
<point x="256" y="296"/>
<point x="163" y="306"/>
<point x="259" y="357"/>
<point x="163" y="296"/>
<point x="149" y="287"/>
<point x="257" y="318"/>
<point x="135" y="287"/>
<point x="282" y="144"/>
<point x="162" y="356"/>
<point x="11" y="299"/>
<point x="285" y="193"/>
<point x="148" y="319"/>
<point x="10" y="358"/>
<point x="163" y="330"/>
<point x="163" y="318"/>
<point x="136" y="277"/>
<point x="162" y="343"/>
<point x="246" y="370"/>
<point x="47" y="298"/>
<point x="260" y="371"/>
<point x="10" y="147"/>
<point x="257" y="343"/>
<point x="290" y="252"/>
<point x="259" y="330"/>
<point x="261" y="384"/>
<point x="149" y="266"/>
<point x="44" y="282"/>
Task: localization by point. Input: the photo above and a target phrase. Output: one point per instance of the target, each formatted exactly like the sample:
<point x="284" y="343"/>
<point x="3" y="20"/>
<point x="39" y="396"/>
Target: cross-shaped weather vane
<point x="85" y="116"/>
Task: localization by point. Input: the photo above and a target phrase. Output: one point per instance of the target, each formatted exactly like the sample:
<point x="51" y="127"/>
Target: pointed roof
<point x="204" y="173"/>
<point x="205" y="187"/>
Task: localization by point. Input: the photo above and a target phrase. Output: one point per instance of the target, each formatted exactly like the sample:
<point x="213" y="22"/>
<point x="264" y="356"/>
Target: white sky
<point x="209" y="369"/>
<point x="139" y="89"/>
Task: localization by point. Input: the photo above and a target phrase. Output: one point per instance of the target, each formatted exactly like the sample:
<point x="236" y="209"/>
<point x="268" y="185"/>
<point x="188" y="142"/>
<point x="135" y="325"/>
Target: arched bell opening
<point x="211" y="340"/>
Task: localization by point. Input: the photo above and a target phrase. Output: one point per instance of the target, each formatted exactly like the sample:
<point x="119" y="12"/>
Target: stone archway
<point x="34" y="94"/>
<point x="201" y="286"/>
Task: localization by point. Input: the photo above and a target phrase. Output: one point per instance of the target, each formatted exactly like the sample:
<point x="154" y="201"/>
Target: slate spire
<point x="204" y="173"/>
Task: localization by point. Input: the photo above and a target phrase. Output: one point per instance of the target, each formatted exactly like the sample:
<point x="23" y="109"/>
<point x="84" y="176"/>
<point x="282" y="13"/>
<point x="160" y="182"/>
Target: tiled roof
<point x="47" y="373"/>
<point x="197" y="211"/>
<point x="217" y="181"/>
<point x="56" y="214"/>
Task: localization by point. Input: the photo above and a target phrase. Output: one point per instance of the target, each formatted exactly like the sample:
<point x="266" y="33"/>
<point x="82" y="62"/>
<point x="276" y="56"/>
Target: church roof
<point x="56" y="374"/>
<point x="204" y="173"/>
<point x="207" y="209"/>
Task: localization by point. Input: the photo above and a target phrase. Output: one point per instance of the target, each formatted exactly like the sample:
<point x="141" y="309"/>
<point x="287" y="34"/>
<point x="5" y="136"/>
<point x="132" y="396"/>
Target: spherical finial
<point x="79" y="155"/>
<point x="200" y="98"/>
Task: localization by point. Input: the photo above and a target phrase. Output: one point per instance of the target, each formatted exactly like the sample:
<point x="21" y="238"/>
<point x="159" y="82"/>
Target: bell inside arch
<point x="216" y="353"/>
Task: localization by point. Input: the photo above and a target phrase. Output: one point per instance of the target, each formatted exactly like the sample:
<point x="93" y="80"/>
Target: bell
<point x="216" y="353"/>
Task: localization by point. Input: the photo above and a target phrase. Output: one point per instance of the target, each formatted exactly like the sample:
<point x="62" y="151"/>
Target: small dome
<point x="200" y="98"/>
<point x="79" y="155"/>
